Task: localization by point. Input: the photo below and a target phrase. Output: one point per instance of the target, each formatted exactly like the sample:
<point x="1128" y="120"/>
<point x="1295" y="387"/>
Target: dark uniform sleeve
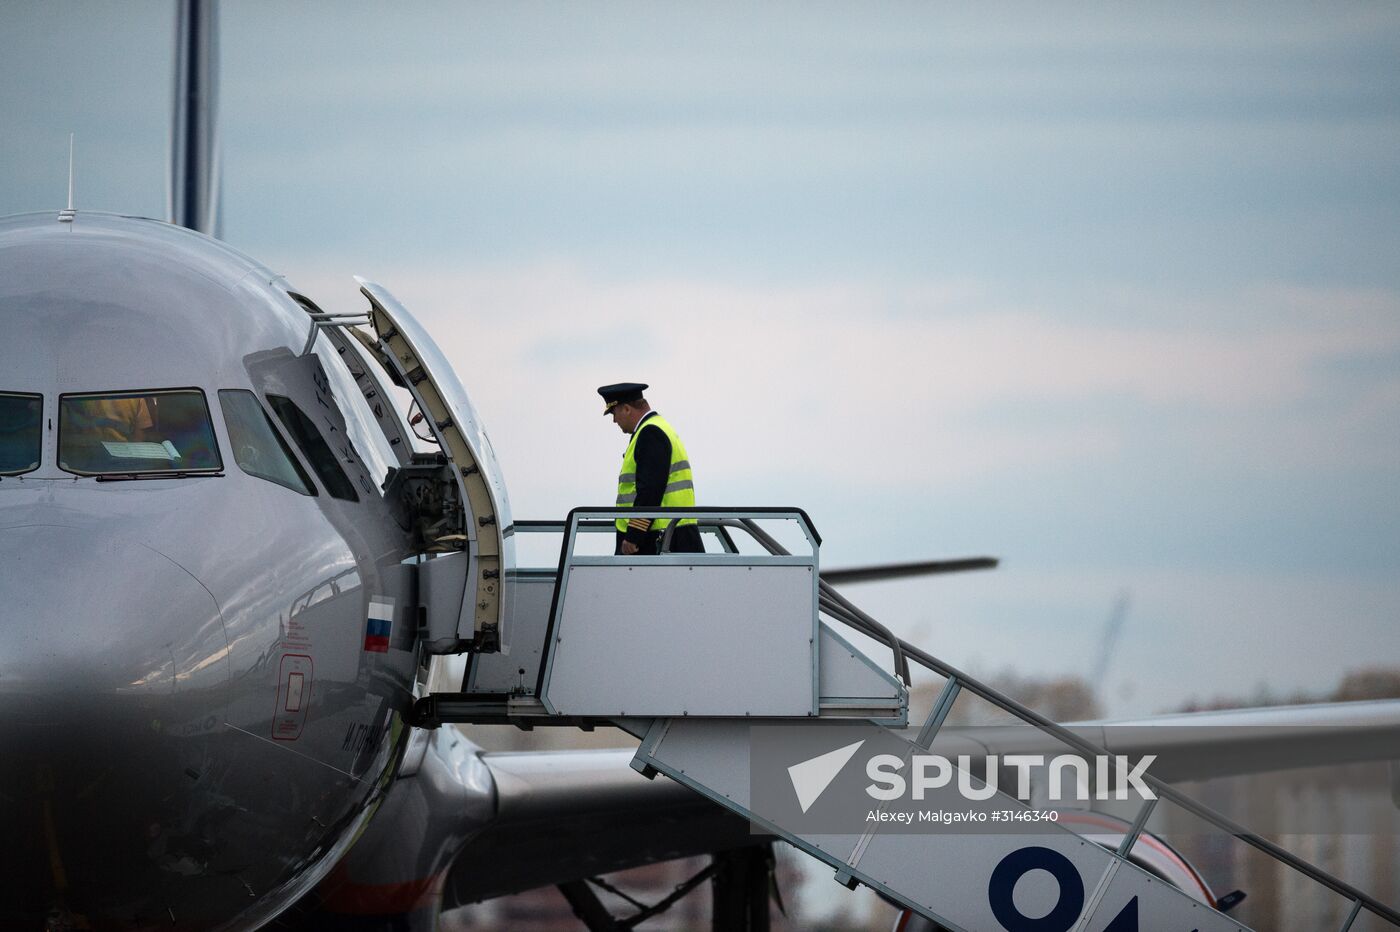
<point x="653" y="456"/>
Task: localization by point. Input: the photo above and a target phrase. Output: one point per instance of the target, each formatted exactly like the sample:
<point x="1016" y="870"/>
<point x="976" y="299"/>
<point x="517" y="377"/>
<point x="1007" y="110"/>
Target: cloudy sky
<point x="1107" y="290"/>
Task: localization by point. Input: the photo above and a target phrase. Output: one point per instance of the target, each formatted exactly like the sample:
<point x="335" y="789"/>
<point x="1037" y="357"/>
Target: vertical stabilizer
<point x="193" y="193"/>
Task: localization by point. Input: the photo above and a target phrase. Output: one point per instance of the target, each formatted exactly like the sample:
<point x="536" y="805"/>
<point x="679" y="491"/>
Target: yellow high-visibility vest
<point x="680" y="487"/>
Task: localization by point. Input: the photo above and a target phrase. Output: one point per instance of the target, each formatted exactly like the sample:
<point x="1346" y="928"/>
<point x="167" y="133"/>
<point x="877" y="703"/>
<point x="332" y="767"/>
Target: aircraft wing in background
<point x="881" y="571"/>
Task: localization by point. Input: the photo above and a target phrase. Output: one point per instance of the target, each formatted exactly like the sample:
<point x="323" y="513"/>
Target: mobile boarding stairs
<point x="692" y="652"/>
<point x="704" y="656"/>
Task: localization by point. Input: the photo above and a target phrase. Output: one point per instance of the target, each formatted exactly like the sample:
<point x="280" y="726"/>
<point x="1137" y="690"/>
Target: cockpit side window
<point x="314" y="447"/>
<point x="348" y="381"/>
<point x="127" y="433"/>
<point x="21" y="419"/>
<point x="258" y="448"/>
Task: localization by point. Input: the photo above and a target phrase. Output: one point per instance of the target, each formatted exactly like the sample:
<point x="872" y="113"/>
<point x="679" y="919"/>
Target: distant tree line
<point x="1356" y="686"/>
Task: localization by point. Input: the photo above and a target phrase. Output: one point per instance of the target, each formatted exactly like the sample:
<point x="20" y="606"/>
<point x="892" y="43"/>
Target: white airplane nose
<point x="113" y="681"/>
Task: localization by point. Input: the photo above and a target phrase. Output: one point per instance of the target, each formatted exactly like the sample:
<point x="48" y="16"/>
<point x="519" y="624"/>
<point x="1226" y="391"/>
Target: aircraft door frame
<point x="486" y="532"/>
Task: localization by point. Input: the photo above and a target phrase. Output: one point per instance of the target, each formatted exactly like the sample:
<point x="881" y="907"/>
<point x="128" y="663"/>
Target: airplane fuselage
<point x="205" y="670"/>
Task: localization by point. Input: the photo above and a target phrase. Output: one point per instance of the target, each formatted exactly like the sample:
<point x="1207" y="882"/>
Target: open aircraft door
<point x="468" y="542"/>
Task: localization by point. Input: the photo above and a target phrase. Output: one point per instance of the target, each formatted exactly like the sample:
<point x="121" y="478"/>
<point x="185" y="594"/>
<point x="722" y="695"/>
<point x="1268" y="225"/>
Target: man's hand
<point x="629" y="549"/>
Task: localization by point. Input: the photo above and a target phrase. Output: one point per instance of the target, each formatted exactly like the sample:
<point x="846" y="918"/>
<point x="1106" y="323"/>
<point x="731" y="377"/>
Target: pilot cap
<point x="620" y="394"/>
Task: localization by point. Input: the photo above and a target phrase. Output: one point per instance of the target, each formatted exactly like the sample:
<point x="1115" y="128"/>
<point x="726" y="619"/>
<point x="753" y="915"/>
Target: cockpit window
<point x="313" y="445"/>
<point x="126" y="433"/>
<point x="21" y="417"/>
<point x="257" y="447"/>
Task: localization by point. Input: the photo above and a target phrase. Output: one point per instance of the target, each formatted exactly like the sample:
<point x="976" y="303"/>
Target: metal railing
<point x="836" y="606"/>
<point x="594" y="518"/>
<point x="957" y="681"/>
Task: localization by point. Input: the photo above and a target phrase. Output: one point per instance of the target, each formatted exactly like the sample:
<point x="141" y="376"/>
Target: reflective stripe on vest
<point x="680" y="486"/>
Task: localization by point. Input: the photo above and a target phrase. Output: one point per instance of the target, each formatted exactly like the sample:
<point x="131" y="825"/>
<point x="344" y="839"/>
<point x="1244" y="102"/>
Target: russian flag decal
<point x="379" y="625"/>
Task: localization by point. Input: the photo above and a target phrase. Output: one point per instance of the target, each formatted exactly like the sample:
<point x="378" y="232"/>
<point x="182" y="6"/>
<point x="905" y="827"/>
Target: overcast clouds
<point x="1107" y="290"/>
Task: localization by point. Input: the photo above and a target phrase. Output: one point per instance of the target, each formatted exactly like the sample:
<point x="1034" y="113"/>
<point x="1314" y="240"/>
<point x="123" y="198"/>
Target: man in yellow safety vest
<point x="655" y="473"/>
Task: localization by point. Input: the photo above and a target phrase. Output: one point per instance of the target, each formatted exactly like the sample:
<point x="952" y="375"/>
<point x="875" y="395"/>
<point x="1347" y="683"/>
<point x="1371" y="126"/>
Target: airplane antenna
<point x="66" y="215"/>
